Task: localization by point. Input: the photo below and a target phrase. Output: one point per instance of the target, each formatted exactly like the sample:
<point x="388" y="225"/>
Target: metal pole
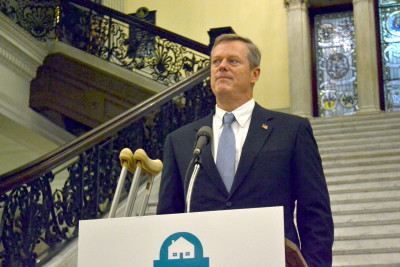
<point x="117" y="194"/>
<point x="133" y="191"/>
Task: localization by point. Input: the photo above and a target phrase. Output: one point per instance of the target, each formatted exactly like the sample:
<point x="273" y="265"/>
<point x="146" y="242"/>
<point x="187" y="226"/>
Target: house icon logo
<point x="182" y="249"/>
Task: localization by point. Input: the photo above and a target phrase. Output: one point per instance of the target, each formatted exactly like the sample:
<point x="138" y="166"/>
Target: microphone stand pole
<point x="197" y="166"/>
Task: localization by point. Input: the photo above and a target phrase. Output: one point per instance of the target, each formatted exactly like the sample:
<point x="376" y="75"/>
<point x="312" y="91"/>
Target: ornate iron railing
<point x="36" y="17"/>
<point x="42" y="202"/>
<point x="122" y="39"/>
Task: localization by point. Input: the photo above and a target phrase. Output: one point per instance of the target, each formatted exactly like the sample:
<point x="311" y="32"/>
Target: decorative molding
<point x="18" y="50"/>
<point x="13" y="61"/>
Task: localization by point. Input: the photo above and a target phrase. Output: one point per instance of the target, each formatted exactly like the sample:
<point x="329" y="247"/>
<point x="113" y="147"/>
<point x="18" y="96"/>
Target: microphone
<point x="204" y="135"/>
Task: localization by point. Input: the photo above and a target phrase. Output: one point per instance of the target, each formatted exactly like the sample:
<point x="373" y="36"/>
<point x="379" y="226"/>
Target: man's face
<point x="231" y="76"/>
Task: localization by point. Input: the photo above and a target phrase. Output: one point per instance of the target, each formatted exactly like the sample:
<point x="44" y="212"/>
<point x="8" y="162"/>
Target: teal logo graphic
<point x="181" y="250"/>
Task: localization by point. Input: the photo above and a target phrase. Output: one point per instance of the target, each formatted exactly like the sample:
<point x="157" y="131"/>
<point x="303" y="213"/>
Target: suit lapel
<point x="259" y="131"/>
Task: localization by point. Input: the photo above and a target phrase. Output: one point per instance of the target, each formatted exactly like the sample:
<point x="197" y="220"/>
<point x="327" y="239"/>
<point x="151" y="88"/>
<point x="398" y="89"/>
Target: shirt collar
<point x="242" y="113"/>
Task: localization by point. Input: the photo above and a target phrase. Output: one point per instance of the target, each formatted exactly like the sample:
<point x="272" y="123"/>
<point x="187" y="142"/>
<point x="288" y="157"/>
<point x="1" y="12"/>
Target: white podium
<point x="235" y="238"/>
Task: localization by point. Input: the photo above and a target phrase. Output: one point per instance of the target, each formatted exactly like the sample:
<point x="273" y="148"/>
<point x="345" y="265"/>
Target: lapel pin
<point x="265" y="126"/>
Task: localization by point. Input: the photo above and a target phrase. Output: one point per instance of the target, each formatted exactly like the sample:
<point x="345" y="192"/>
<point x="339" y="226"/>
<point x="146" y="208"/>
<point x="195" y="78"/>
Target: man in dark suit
<point x="276" y="159"/>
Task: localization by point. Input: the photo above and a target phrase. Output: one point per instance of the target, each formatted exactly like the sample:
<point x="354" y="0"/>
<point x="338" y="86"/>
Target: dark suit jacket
<point x="278" y="166"/>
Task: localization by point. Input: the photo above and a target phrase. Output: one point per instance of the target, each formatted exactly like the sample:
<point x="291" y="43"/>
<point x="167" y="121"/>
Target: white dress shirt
<point x="240" y="127"/>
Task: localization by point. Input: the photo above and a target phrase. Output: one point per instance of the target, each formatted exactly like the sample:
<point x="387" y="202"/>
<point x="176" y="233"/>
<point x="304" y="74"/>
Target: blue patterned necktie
<point x="226" y="154"/>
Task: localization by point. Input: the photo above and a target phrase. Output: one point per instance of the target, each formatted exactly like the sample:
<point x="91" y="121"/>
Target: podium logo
<point x="182" y="249"/>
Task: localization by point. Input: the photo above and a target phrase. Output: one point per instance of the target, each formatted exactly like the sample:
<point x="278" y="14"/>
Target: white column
<point x="299" y="57"/>
<point x="366" y="56"/>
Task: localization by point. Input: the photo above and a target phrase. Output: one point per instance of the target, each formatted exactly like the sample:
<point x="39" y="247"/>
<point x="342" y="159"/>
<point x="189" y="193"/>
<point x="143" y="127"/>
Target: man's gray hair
<point x="254" y="55"/>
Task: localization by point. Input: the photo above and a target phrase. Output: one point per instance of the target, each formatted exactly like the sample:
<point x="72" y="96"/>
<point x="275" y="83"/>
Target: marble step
<point x="352" y="217"/>
<point x="383" y="223"/>
<point x="366" y="194"/>
<point x="363" y="231"/>
<point x="344" y="188"/>
<point x="362" y="169"/>
<point x="373" y="199"/>
<point x="378" y="215"/>
<point x="376" y="128"/>
<point x="322" y="123"/>
<point x="358" y="135"/>
<point x="367" y="236"/>
<point x="363" y="161"/>
<point x="354" y="126"/>
<point x="361" y="178"/>
<point x="393" y="150"/>
<point x="350" y="148"/>
<point x="364" y="184"/>
<point x="360" y="141"/>
<point x="387" y="258"/>
<point x="358" y="118"/>
<point x="370" y="245"/>
<point x="366" y="207"/>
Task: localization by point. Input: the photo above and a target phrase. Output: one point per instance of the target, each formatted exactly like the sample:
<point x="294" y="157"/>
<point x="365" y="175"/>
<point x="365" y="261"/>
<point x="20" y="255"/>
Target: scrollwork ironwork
<point x="129" y="46"/>
<point x="120" y="42"/>
<point x="36" y="17"/>
<point x="27" y="217"/>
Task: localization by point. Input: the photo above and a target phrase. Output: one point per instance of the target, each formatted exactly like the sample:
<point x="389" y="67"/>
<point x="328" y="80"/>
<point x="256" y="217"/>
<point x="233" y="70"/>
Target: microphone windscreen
<point x="205" y="131"/>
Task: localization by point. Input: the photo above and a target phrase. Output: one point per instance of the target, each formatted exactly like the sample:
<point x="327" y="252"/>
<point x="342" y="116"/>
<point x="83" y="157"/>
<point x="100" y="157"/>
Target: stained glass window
<point x="389" y="18"/>
<point x="335" y="64"/>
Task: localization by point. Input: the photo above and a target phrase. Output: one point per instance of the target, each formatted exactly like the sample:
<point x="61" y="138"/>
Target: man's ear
<point x="255" y="74"/>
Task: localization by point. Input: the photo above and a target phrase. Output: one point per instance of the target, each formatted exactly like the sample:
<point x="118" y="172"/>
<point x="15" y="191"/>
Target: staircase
<point x="361" y="159"/>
